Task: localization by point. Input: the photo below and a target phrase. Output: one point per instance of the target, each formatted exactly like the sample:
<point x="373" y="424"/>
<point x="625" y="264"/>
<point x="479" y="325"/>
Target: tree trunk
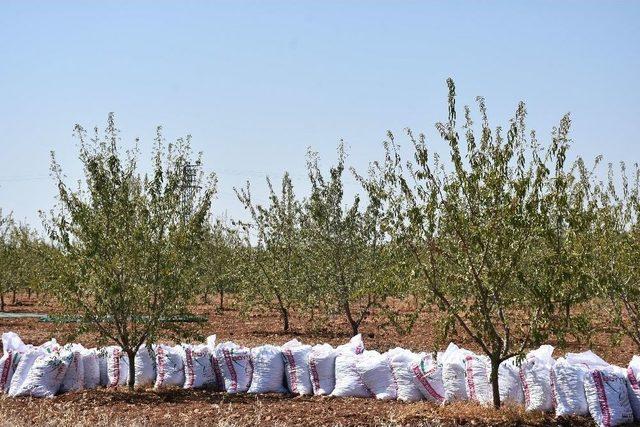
<point x="1" y="301"/>
<point x="205" y="297"/>
<point x="13" y="297"/>
<point x="355" y="325"/>
<point x="221" y="299"/>
<point x="284" y="312"/>
<point x="285" y="319"/>
<point x="495" y="385"/>
<point x="132" y="369"/>
<point x="29" y="293"/>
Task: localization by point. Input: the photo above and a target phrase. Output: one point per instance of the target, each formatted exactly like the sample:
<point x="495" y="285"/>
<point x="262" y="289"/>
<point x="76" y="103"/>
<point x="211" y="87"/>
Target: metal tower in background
<point x="189" y="187"/>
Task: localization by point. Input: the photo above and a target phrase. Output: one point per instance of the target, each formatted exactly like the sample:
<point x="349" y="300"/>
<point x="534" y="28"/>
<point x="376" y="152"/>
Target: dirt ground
<point x="187" y="407"/>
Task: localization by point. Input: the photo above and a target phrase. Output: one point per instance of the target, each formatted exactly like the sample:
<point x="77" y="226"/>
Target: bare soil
<point x="193" y="407"/>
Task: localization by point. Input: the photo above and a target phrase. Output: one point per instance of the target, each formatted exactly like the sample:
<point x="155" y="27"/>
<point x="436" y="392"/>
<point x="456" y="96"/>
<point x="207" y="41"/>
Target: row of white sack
<point x="577" y="384"/>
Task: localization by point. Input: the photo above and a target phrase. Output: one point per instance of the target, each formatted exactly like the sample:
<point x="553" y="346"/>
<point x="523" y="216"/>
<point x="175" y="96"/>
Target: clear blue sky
<point x="256" y="83"/>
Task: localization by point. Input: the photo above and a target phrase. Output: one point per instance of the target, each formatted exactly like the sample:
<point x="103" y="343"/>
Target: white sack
<point x="46" y="374"/>
<point x="235" y="366"/>
<point x="103" y="355"/>
<point x="117" y="367"/>
<point x="27" y="359"/>
<point x="478" y="371"/>
<point x="91" y="368"/>
<point x="217" y="372"/>
<point x="322" y="364"/>
<point x="74" y="376"/>
<point x="633" y="387"/>
<point x="348" y="380"/>
<point x="606" y="391"/>
<point x="296" y="362"/>
<point x="454" y="374"/>
<point x="510" y="382"/>
<point x="170" y="365"/>
<point x="376" y="374"/>
<point x="568" y="376"/>
<point x="145" y="366"/>
<point x="401" y="361"/>
<point x="427" y="376"/>
<point x="198" y="371"/>
<point x="268" y="370"/>
<point x="536" y="376"/>
<point x="12" y="348"/>
<point x="355" y="345"/>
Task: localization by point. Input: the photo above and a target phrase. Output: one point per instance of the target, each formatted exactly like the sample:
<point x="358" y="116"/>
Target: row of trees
<point x="509" y="240"/>
<point x="21" y="254"/>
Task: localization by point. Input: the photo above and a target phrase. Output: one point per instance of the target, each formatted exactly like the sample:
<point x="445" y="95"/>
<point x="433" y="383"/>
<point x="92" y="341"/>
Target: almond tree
<point x="219" y="268"/>
<point x="616" y="269"/>
<point x="345" y="245"/>
<point x="128" y="240"/>
<point x="272" y="271"/>
<point x="7" y="254"/>
<point x="477" y="227"/>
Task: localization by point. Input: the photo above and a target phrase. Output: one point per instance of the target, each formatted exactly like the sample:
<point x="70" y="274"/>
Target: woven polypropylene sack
<point x="12" y="348"/>
<point x="46" y="374"/>
<point x="478" y="371"/>
<point x="568" y="381"/>
<point x="454" y="374"/>
<point x="235" y="365"/>
<point x="536" y="375"/>
<point x="296" y="366"/>
<point x="268" y="370"/>
<point x="427" y="375"/>
<point x="170" y="366"/>
<point x="633" y="386"/>
<point x="510" y="383"/>
<point x="198" y="371"/>
<point x="348" y="380"/>
<point x="117" y="367"/>
<point x="91" y="368"/>
<point x="27" y="359"/>
<point x="145" y="366"/>
<point x="607" y="398"/>
<point x="322" y="363"/>
<point x="74" y="376"/>
<point x="401" y="361"/>
<point x="322" y="368"/>
<point x="375" y="370"/>
<point x="217" y="372"/>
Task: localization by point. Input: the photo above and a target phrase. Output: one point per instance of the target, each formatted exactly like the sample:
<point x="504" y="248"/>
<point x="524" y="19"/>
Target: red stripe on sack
<point x="232" y="371"/>
<point x="190" y="373"/>
<point x="525" y="387"/>
<point x="315" y="378"/>
<point x="602" y="398"/>
<point x="161" y="367"/>
<point x="250" y="375"/>
<point x="293" y="380"/>
<point x="425" y="382"/>
<point x="5" y="370"/>
<point x="470" y="381"/>
<point x="217" y="372"/>
<point x="115" y="358"/>
<point x="632" y="379"/>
